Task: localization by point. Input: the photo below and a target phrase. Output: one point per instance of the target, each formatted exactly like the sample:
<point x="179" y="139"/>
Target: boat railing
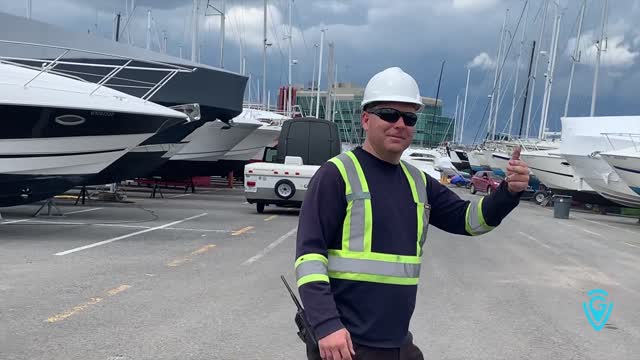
<point x="296" y="111"/>
<point x="634" y="137"/>
<point x="52" y="66"/>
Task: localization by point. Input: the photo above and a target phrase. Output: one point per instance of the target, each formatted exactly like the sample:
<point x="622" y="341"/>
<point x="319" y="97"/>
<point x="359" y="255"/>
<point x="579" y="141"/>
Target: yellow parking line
<point x="85" y="306"/>
<point x="118" y="290"/>
<point x="75" y="310"/>
<point x="241" y="231"/>
<point x="271" y="217"/>
<point x="186" y="259"/>
<point x="203" y="249"/>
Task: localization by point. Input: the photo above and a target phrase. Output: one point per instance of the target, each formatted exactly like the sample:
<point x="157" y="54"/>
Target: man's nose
<point x="400" y="123"/>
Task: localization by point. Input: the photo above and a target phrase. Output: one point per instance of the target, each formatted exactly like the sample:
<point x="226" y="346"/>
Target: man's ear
<point x="364" y="120"/>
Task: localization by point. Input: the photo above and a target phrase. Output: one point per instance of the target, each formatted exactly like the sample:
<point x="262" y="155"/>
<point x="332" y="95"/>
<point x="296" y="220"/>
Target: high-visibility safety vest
<point x="355" y="260"/>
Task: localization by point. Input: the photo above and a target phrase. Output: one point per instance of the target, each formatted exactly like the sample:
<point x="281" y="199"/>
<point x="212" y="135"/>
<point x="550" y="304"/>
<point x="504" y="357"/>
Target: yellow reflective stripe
<point x="467" y="223"/>
<point x="368" y="212"/>
<point x="474" y="219"/>
<point x="311" y="278"/>
<point x="481" y="217"/>
<point x="374" y="278"/>
<point x="312" y="257"/>
<point x="346" y="226"/>
<point x="412" y="183"/>
<point x="343" y="172"/>
<point x="404" y="259"/>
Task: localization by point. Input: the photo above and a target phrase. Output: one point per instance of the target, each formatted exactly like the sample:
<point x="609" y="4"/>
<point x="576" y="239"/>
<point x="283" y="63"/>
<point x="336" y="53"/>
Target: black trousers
<point x="409" y="351"/>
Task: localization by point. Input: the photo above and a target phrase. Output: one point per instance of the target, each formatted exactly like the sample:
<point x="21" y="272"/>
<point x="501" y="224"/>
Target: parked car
<point x="485" y="181"/>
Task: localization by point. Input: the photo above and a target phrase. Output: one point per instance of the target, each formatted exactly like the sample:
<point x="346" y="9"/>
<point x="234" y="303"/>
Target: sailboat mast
<point x="464" y="107"/>
<point x="498" y="93"/>
<point x="575" y="58"/>
<point x="545" y="10"/>
<point x="495" y="78"/>
<point x="515" y="84"/>
<point x="264" y="57"/>
<point x="194" y="31"/>
<point x="599" y="54"/>
<point x="290" y="61"/>
<point x="319" y="73"/>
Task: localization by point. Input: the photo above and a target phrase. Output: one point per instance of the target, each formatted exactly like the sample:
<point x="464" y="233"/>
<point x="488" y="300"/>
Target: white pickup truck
<point x="267" y="183"/>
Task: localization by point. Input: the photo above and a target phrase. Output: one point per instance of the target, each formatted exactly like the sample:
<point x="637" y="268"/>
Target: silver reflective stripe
<point x="358" y="196"/>
<point x="311" y="267"/>
<point x="373" y="267"/>
<point x="421" y="187"/>
<point x="356" y="238"/>
<point x="473" y="220"/>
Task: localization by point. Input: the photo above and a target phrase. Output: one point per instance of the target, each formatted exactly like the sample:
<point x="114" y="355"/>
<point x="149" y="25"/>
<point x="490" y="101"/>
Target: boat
<point x="424" y="159"/>
<point x="60" y="132"/>
<point x="219" y="92"/>
<point x="626" y="163"/>
<point x="582" y="144"/>
<point x="206" y="146"/>
<point x="557" y="175"/>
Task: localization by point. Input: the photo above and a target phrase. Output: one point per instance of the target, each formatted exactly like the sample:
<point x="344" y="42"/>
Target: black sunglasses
<point x="392" y="115"/>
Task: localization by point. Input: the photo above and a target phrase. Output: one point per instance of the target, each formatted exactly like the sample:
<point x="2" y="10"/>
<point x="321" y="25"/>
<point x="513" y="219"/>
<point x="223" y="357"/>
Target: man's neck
<point x="387" y="157"/>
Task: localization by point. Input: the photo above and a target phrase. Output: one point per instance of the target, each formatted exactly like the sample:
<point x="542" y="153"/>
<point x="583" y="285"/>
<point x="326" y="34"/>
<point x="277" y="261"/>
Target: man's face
<point x="385" y="136"/>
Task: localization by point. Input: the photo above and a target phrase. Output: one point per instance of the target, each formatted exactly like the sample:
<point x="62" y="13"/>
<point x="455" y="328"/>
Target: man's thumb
<point x="515" y="155"/>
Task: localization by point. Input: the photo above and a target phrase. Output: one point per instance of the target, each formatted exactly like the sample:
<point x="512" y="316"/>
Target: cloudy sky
<point x="417" y="35"/>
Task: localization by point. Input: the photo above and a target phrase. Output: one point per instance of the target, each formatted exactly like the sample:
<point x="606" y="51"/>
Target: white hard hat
<point x="392" y="85"/>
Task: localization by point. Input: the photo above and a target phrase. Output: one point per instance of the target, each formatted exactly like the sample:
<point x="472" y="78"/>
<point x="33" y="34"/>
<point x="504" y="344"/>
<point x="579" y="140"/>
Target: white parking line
<point x="13" y="221"/>
<point x="591" y="232"/>
<point x="128" y="235"/>
<point x="177" y="196"/>
<point x="82" y="211"/>
<point x="534" y="239"/>
<point x="611" y="226"/>
<point x="270" y="247"/>
<point x="635" y="246"/>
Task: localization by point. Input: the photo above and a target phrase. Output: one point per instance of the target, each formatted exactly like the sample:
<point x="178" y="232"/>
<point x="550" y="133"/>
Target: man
<point x="363" y="224"/>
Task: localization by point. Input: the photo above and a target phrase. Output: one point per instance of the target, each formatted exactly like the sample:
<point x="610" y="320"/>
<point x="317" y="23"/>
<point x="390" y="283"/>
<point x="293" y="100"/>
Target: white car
<point x="285" y="185"/>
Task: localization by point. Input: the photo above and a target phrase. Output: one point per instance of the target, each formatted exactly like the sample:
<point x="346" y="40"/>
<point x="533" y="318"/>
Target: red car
<point x="485" y="181"/>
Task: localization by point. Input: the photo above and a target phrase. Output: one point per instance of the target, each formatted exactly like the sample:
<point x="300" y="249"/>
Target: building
<point x="432" y="128"/>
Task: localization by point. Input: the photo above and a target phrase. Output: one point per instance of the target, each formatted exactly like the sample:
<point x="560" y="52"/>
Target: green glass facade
<point x="430" y="130"/>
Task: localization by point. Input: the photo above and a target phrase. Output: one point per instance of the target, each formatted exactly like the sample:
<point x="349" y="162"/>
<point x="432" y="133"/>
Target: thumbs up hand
<point x="517" y="173"/>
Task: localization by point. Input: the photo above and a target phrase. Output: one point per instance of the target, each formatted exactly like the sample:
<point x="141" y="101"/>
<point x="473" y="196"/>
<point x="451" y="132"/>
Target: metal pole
<point x="515" y="84"/>
<point x="535" y="69"/>
<point x="29" y="7"/>
<point x="223" y="15"/>
<point x="526" y="93"/>
<point x="575" y="58"/>
<point x="435" y="110"/>
<point x="313" y="78"/>
<point x="148" y="29"/>
<point x="194" y="31"/>
<point x="118" y="27"/>
<point x="498" y="93"/>
<point x="549" y="77"/>
<point x="553" y="69"/>
<point x="264" y="57"/>
<point x="290" y="60"/>
<point x="319" y="73"/>
<point x="597" y="71"/>
<point x="464" y="107"/>
<point x="455" y="117"/>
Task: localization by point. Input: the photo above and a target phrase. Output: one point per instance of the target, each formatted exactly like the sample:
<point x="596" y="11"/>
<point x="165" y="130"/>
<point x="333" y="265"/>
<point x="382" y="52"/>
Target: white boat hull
<point x="211" y="141"/>
<point x="254" y="144"/>
<point x="626" y="164"/>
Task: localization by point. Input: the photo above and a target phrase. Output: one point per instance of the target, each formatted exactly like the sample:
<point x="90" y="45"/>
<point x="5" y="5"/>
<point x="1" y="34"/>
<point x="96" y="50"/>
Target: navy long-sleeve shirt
<point x="376" y="314"/>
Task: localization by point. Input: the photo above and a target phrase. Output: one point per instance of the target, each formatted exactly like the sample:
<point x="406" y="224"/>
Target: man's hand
<point x="517" y="173"/>
<point x="336" y="346"/>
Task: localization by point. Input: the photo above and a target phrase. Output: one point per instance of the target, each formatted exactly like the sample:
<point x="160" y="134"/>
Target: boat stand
<point x="82" y="195"/>
<point x="49" y="204"/>
<point x="157" y="189"/>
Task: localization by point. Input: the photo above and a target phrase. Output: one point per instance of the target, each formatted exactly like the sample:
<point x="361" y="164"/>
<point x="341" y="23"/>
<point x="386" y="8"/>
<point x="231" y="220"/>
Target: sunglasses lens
<point x="410" y="119"/>
<point x="392" y="115"/>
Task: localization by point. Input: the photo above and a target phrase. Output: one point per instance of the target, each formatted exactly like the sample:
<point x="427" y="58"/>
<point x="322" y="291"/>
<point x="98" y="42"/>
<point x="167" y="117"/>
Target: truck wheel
<point x="472" y="189"/>
<point x="285" y="189"/>
<point x="539" y="197"/>
<point x="260" y="207"/>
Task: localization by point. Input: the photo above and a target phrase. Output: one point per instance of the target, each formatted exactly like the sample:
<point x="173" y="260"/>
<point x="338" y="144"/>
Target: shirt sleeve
<point x="319" y="223"/>
<point x="476" y="217"/>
